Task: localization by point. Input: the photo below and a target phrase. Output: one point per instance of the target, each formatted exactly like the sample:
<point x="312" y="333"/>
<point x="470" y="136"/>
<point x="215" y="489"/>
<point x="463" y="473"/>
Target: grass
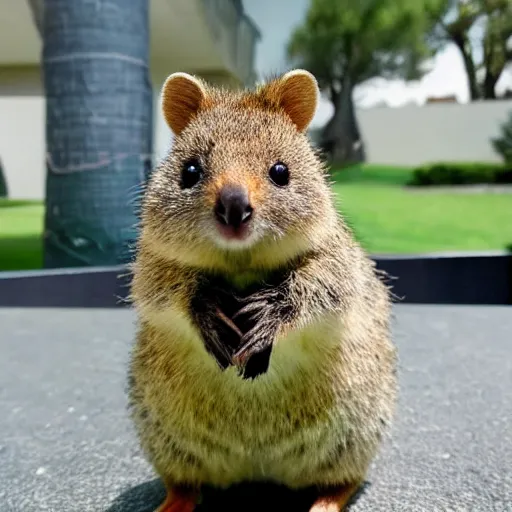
<point x="385" y="217"/>
<point x="21" y="228"/>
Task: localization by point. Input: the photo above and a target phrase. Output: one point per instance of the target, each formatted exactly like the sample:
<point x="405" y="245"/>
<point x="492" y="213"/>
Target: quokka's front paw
<point x="261" y="317"/>
<point x="220" y="334"/>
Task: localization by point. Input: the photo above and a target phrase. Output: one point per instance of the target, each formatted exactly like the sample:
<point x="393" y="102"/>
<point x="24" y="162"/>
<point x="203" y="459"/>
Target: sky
<point x="277" y="19"/>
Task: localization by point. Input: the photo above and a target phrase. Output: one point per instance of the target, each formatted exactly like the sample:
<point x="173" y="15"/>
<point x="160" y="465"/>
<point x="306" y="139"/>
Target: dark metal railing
<point x="480" y="278"/>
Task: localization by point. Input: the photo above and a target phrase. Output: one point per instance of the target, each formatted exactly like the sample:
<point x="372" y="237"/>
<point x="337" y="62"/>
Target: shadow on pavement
<point x="145" y="497"/>
<point x="247" y="497"/>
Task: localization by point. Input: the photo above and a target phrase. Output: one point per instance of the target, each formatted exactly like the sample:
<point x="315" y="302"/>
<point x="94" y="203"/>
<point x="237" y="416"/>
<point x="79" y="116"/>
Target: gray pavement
<point x="66" y="443"/>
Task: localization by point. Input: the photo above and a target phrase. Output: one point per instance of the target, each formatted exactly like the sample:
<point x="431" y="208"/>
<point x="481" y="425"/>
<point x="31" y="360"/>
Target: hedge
<point x="461" y="174"/>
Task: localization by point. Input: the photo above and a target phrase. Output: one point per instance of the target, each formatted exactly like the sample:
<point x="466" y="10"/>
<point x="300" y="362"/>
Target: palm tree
<point x="98" y="127"/>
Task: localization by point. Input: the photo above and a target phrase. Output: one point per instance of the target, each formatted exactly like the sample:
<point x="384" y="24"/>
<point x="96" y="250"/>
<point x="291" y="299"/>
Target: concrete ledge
<point x="444" y="278"/>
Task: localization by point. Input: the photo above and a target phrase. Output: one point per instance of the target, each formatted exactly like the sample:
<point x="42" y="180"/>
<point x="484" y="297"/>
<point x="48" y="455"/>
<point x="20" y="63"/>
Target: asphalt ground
<point x="66" y="443"/>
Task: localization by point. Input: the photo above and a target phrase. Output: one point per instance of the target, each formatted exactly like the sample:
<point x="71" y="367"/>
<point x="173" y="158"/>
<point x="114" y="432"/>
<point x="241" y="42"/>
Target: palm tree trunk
<point x="98" y="128"/>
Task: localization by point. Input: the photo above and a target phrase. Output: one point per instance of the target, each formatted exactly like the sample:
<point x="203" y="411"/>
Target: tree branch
<point x="462" y="25"/>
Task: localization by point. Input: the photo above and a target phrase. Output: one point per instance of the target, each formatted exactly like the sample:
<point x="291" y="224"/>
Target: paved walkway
<point x="462" y="189"/>
<point x="66" y="444"/>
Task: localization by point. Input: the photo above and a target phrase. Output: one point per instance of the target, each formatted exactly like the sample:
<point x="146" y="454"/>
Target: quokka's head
<point x="242" y="181"/>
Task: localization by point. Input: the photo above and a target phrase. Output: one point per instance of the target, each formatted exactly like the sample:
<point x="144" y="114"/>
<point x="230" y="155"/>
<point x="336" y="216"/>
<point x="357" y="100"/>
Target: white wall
<point x="438" y="132"/>
<point x="19" y="40"/>
<point x="22" y="145"/>
<point x="162" y="136"/>
<point x="22" y="130"/>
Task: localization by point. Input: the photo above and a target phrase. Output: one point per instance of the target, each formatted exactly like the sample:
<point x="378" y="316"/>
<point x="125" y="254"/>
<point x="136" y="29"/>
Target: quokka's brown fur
<point x="317" y="416"/>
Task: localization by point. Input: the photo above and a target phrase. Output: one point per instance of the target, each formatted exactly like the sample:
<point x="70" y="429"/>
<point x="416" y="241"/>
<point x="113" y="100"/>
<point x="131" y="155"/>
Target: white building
<point x="214" y="39"/>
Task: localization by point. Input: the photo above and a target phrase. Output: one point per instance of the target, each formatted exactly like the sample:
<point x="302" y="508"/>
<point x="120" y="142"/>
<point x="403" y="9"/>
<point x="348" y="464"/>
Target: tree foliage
<point x="478" y="27"/>
<point x="365" y="38"/>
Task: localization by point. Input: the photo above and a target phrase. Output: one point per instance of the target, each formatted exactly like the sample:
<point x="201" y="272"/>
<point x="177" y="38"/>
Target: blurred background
<point x="415" y="117"/>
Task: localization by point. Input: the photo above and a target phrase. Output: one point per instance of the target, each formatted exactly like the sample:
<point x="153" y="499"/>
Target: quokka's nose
<point x="233" y="207"/>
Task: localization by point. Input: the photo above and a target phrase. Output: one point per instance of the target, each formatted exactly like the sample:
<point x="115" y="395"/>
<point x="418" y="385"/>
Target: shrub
<point x="503" y="144"/>
<point x="461" y="174"/>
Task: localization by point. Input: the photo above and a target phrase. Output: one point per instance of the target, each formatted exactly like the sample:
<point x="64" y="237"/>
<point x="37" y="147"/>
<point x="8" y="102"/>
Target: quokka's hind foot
<point x="335" y="499"/>
<point x="179" y="499"/>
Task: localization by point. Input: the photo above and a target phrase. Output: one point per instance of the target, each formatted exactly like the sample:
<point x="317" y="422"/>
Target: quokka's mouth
<point x="235" y="233"/>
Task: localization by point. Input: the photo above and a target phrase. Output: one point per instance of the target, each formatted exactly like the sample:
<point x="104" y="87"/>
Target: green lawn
<point x="21" y="227"/>
<point x="385" y="217"/>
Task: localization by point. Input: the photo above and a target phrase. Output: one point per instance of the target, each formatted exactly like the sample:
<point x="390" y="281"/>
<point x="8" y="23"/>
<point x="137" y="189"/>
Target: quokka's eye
<point x="279" y="174"/>
<point x="191" y="174"/>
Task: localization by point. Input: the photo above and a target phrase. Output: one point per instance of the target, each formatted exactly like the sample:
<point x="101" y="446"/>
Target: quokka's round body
<point x="243" y="198"/>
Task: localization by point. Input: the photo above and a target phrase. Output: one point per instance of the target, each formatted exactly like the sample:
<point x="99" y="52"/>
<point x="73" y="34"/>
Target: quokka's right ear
<point x="182" y="96"/>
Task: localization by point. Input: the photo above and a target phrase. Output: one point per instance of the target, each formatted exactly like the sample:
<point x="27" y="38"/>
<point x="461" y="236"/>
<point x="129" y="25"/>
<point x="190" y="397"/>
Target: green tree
<point x="345" y="43"/>
<point x="478" y="27"/>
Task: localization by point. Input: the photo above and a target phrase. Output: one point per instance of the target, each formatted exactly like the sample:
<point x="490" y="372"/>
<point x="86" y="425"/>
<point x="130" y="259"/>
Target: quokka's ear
<point x="182" y="96"/>
<point x="296" y="93"/>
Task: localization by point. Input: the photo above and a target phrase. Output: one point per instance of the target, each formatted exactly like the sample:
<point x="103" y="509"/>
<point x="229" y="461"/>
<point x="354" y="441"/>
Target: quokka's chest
<point x="297" y="393"/>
